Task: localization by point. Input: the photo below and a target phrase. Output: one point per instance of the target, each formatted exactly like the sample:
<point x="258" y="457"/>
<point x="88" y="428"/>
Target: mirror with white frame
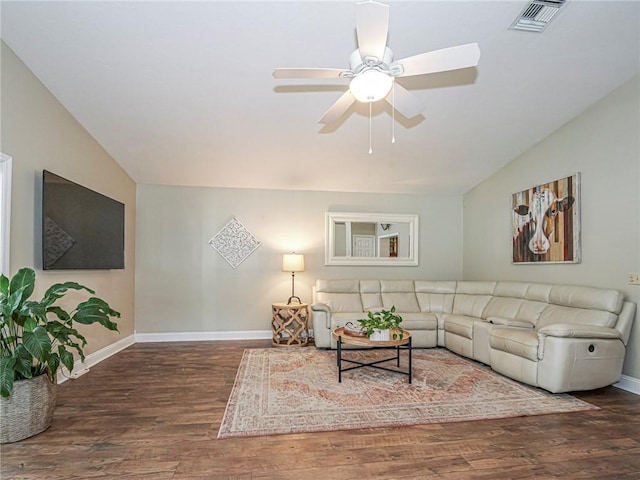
<point x="371" y="239"/>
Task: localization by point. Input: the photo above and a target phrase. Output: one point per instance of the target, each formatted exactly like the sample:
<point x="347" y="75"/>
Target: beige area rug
<point x="296" y="390"/>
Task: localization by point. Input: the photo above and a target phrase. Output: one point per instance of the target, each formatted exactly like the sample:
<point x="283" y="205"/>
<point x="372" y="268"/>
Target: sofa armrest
<point x="510" y="322"/>
<point x="568" y="330"/>
<point x="322" y="309"/>
<point x="625" y="320"/>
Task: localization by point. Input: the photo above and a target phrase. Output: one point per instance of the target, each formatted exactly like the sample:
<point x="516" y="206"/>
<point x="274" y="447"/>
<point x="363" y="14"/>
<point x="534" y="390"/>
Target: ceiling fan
<point x="373" y="70"/>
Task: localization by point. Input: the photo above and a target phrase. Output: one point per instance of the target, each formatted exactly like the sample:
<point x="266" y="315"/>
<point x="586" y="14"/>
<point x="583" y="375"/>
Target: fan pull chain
<point x="370" y="149"/>
<point x="393" y="111"/>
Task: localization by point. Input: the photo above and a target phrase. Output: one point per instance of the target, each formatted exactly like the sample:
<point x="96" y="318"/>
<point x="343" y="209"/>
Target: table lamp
<point x="292" y="262"/>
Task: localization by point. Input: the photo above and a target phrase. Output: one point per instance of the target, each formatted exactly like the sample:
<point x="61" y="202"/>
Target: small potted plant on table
<point x="383" y="325"/>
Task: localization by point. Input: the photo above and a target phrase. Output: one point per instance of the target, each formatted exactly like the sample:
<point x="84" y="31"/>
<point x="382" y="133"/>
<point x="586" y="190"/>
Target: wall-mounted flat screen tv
<point x="81" y="229"/>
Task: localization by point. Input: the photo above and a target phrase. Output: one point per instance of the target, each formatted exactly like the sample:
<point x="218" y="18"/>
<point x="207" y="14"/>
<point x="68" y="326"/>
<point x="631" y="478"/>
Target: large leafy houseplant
<point x="383" y="320"/>
<point x="37" y="337"/>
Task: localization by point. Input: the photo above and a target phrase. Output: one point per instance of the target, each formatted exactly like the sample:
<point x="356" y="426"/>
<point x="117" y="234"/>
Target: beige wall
<point x="38" y="133"/>
<point x="184" y="285"/>
<point x="603" y="144"/>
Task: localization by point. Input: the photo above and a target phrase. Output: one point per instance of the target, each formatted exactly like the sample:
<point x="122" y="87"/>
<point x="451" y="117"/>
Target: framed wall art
<point x="546" y="222"/>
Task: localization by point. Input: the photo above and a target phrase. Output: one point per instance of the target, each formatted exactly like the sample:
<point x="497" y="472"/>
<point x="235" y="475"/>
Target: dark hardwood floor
<point x="153" y="411"/>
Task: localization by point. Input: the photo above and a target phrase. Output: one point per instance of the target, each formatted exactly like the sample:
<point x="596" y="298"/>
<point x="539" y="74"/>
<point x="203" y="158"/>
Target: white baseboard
<point x="203" y="336"/>
<point x="80" y="368"/>
<point x="630" y="384"/>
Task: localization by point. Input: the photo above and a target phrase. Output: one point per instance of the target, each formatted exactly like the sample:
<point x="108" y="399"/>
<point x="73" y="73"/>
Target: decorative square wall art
<point x="234" y="242"/>
<point x="546" y="222"/>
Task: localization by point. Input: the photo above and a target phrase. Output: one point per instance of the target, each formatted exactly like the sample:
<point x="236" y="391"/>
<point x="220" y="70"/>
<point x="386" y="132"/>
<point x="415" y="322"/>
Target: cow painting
<point x="545" y="227"/>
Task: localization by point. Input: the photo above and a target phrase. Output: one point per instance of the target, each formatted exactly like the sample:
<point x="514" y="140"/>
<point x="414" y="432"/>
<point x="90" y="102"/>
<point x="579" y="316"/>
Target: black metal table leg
<point x="339" y="359"/>
<point x="410" y="371"/>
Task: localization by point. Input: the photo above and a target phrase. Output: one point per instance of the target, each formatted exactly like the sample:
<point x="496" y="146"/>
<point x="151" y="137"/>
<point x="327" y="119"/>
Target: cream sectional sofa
<point x="557" y="337"/>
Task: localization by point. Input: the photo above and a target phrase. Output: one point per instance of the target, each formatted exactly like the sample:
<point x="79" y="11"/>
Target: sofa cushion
<point x="522" y="342"/>
<point x="341" y="319"/>
<point x="530" y="311"/>
<point x="435" y="302"/>
<point x="404" y="302"/>
<point x="370" y="286"/>
<point x="538" y="292"/>
<point x="340" y="302"/>
<point x="435" y="296"/>
<point x="505" y="307"/>
<point x="425" y="286"/>
<point x="338" y="286"/>
<point x="476" y="288"/>
<point x="460" y="325"/>
<point x="370" y="294"/>
<point x="587" y="297"/>
<point x="580" y="316"/>
<point x="470" y="305"/>
<point x="413" y="321"/>
<point x="371" y="301"/>
<point x="399" y="293"/>
<point x="403" y="286"/>
<point x="419" y="321"/>
<point x="511" y="289"/>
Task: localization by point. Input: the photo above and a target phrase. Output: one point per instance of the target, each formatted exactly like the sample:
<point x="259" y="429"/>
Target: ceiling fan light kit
<point x="373" y="70"/>
<point x="371" y="86"/>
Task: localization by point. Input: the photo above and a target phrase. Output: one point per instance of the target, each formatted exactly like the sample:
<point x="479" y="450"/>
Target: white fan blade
<point x="308" y="72"/>
<point x="452" y="58"/>
<point x="372" y="26"/>
<point x="338" y="108"/>
<point x="404" y="101"/>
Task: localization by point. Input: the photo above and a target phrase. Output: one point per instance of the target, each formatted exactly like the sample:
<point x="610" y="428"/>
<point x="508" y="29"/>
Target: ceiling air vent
<point x="537" y="15"/>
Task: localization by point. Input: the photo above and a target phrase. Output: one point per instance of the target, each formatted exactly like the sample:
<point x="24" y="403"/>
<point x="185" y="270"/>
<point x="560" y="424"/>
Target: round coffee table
<point x="398" y="344"/>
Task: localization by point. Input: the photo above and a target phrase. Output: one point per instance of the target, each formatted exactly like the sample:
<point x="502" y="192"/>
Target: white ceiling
<point x="181" y="93"/>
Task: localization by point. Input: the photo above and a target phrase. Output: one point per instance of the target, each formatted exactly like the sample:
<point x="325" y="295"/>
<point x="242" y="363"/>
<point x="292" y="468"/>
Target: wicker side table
<point x="289" y="324"/>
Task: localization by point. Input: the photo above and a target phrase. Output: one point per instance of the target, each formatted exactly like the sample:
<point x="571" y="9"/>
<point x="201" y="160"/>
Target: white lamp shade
<point x="292" y="262"/>
<point x="371" y="86"/>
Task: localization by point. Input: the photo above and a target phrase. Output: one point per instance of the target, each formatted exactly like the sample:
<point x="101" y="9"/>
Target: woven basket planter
<point x="29" y="409"/>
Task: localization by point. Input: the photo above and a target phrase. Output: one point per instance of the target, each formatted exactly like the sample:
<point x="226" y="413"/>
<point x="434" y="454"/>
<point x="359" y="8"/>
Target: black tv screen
<point x="81" y="229"/>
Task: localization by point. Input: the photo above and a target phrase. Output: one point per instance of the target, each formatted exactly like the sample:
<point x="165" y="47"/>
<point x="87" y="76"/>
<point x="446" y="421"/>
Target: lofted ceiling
<point x="182" y="93"/>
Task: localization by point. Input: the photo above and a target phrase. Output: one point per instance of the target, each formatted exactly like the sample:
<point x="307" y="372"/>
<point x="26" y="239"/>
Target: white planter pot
<point x="379" y="335"/>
